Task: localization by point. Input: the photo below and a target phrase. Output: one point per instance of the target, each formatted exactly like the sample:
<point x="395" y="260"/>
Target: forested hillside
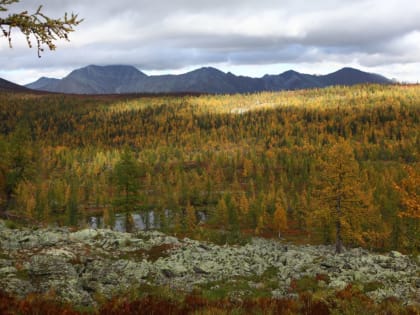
<point x="298" y="164"/>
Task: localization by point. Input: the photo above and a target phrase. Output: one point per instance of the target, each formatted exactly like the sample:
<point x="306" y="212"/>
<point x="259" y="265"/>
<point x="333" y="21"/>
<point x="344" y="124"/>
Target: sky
<point x="245" y="37"/>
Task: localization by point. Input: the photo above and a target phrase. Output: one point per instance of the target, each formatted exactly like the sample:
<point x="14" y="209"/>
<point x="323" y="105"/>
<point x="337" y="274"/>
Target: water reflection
<point x="136" y="221"/>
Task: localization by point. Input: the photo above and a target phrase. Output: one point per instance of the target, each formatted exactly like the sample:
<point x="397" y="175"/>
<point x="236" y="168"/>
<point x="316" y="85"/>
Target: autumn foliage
<point x="260" y="164"/>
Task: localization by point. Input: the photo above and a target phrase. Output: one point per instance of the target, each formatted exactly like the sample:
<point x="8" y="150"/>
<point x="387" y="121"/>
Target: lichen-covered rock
<point x="84" y="235"/>
<point x="16" y="286"/>
<point x="5" y="271"/>
<point x="50" y="266"/>
<point x="80" y="265"/>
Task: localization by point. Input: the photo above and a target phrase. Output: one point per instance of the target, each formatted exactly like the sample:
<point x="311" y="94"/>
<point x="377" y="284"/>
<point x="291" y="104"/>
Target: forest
<point x="321" y="166"/>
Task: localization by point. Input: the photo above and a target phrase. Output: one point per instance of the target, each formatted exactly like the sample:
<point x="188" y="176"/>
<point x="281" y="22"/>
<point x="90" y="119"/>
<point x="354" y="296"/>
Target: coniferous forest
<point x="337" y="166"/>
<point x="300" y="164"/>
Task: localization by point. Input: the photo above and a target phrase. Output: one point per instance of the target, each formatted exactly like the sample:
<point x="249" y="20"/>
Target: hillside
<point x="135" y="194"/>
<point x="7" y="86"/>
<point x="127" y="79"/>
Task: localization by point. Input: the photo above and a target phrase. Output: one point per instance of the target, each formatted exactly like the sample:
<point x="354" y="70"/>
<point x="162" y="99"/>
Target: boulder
<point x="207" y="267"/>
<point x="16" y="286"/>
<point x="395" y="254"/>
<point x="84" y="235"/>
<point x="67" y="255"/>
<point x="50" y="266"/>
<point x="337" y="284"/>
<point x="5" y="271"/>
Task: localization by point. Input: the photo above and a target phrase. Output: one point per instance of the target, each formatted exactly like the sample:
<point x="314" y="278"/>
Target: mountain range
<point x="119" y="79"/>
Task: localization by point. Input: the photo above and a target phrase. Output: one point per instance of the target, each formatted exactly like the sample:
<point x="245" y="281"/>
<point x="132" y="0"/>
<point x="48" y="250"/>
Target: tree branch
<point x="44" y="29"/>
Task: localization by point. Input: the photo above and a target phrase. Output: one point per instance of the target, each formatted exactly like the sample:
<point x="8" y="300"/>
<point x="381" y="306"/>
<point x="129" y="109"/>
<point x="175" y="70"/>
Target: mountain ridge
<point x="121" y="79"/>
<point x="7" y="86"/>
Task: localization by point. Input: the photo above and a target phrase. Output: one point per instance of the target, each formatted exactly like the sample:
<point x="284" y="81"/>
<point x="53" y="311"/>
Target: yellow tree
<point x="243" y="206"/>
<point x="409" y="190"/>
<point x="339" y="193"/>
<point x="190" y="217"/>
<point x="279" y="218"/>
<point x="221" y="213"/>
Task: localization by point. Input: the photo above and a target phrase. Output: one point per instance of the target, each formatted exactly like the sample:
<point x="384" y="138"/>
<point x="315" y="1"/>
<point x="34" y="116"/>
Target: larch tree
<point x="38" y="26"/>
<point x="279" y="218"/>
<point x="409" y="190"/>
<point x="190" y="217"/>
<point x="339" y="193"/>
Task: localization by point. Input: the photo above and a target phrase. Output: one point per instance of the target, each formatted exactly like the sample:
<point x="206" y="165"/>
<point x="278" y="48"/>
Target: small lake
<point x="131" y="222"/>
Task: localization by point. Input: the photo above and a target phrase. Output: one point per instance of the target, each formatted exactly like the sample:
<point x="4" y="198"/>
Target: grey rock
<point x="198" y="270"/>
<point x="90" y="262"/>
<point x="7" y="270"/>
<point x="338" y="284"/>
<point x="50" y="266"/>
<point x="83" y="235"/>
<point x="395" y="254"/>
<point x="16" y="286"/>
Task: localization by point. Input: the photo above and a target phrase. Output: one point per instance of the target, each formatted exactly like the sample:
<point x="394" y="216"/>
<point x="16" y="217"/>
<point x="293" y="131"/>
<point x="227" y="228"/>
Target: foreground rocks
<point x="80" y="266"/>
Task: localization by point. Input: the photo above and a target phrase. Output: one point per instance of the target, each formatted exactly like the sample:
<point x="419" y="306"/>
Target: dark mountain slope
<point x="127" y="79"/>
<point x="350" y="76"/>
<point x="7" y="86"/>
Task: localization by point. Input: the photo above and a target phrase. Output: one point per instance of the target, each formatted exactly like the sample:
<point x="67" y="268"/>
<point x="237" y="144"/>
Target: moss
<point x="22" y="274"/>
<point x="304" y="284"/>
<point x="372" y="286"/>
<point x="153" y="254"/>
<point x="3" y="255"/>
<point x="241" y="287"/>
<point x="12" y="225"/>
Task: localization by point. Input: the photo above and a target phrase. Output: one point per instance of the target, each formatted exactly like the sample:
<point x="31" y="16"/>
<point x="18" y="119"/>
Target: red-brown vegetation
<point x="347" y="301"/>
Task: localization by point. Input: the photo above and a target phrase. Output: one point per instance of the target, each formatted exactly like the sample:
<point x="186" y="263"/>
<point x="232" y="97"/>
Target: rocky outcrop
<point x="79" y="266"/>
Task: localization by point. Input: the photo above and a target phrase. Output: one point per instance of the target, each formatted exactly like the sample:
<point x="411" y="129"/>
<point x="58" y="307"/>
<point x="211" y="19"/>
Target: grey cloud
<point x="158" y="35"/>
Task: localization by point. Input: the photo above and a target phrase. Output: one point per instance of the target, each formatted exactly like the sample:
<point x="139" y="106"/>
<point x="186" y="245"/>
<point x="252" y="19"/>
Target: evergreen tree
<point x="73" y="204"/>
<point x="20" y="159"/>
<point x="126" y="175"/>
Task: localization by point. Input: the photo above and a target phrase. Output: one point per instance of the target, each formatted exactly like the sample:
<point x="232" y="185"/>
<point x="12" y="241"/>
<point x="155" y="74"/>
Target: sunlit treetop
<point x="37" y="26"/>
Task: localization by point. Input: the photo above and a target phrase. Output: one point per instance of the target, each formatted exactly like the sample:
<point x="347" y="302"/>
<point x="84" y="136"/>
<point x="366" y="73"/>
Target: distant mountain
<point x="44" y="84"/>
<point x="7" y="86"/>
<point x="92" y="80"/>
<point x="350" y="76"/>
<point x="127" y="79"/>
<point x="291" y="80"/>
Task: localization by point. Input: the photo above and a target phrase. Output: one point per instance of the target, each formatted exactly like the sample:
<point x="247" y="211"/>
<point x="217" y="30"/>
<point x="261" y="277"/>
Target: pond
<point x="136" y="221"/>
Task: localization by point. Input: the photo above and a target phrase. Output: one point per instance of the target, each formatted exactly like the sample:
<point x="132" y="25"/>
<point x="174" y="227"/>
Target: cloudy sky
<point x="248" y="37"/>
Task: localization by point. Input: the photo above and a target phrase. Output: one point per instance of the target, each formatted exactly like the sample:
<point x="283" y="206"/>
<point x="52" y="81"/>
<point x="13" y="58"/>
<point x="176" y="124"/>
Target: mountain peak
<point x="111" y="79"/>
<point x="290" y="72"/>
<point x="348" y="69"/>
<point x="108" y="70"/>
<point x="210" y="70"/>
<point x="351" y="76"/>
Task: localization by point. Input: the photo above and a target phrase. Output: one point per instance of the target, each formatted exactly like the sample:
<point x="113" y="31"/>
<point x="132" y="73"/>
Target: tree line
<point x="336" y="165"/>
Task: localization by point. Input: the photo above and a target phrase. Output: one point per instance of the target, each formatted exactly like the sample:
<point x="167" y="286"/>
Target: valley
<point x="225" y="196"/>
